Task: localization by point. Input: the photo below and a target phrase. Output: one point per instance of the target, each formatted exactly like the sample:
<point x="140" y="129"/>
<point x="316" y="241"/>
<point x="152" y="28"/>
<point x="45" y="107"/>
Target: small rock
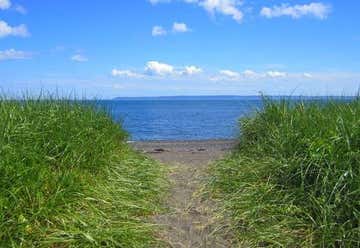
<point x="159" y="150"/>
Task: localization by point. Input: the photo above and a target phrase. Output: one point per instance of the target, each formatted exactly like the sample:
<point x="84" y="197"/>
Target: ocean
<point x="183" y="118"/>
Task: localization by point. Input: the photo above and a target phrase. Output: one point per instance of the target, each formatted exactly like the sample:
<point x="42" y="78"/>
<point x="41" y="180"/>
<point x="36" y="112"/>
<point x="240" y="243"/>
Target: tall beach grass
<point x="68" y="179"/>
<point x="294" y="180"/>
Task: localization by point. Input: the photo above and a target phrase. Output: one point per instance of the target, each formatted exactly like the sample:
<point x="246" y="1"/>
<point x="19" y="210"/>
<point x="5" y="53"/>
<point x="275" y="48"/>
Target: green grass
<point x="68" y="179"/>
<point x="294" y="181"/>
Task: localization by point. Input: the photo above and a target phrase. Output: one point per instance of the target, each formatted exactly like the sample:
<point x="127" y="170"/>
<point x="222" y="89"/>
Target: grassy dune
<point x="67" y="179"/>
<point x="294" y="181"/>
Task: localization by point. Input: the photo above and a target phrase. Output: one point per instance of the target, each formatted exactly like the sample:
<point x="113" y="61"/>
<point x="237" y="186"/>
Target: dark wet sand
<point x="191" y="220"/>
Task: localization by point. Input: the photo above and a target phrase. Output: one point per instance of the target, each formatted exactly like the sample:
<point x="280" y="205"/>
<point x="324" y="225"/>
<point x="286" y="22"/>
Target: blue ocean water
<point x="187" y="118"/>
<point x="182" y="118"/>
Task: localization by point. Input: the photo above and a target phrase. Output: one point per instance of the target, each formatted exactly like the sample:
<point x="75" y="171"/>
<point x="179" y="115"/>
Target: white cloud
<point x="180" y="27"/>
<point x="159" y="69"/>
<point x="276" y="74"/>
<point x="79" y="58"/>
<point x="307" y="75"/>
<point x="249" y="74"/>
<point x="225" y="7"/>
<point x="158" y="31"/>
<point x="164" y="70"/>
<point x="176" y="28"/>
<point x="318" y="10"/>
<point x="230" y="74"/>
<point x="155" y="68"/>
<point x="7" y="30"/>
<point x="226" y="75"/>
<point x="12" y="54"/>
<point x="5" y="4"/>
<point x="191" y="70"/>
<point x="125" y="73"/>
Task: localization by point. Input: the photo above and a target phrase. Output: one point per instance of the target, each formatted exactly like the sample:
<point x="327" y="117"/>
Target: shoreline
<point x="184" y="140"/>
<point x="188" y="151"/>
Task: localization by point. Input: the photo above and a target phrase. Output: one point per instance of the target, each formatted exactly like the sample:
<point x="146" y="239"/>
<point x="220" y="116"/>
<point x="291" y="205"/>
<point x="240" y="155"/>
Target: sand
<point x="191" y="219"/>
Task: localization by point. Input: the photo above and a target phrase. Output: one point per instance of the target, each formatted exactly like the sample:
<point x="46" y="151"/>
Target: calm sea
<point x="182" y="118"/>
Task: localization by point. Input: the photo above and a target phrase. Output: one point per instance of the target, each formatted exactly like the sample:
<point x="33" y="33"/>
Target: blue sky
<point x="180" y="47"/>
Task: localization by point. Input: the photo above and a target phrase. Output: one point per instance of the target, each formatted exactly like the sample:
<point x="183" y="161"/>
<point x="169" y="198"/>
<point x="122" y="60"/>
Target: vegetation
<point x="68" y="179"/>
<point x="294" y="181"/>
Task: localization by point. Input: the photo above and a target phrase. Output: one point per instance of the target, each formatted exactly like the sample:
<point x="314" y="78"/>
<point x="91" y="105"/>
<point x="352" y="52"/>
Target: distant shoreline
<point x="230" y="97"/>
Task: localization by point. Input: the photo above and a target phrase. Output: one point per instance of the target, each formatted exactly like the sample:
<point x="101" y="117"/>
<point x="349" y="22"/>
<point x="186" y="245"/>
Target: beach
<point x="190" y="220"/>
<point x="196" y="152"/>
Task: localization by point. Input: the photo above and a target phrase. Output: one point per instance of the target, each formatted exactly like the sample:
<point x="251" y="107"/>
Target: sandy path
<point x="190" y="221"/>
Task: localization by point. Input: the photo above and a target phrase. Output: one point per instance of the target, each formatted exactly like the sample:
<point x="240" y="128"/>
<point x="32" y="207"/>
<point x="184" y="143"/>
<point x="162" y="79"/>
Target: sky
<point x="115" y="48"/>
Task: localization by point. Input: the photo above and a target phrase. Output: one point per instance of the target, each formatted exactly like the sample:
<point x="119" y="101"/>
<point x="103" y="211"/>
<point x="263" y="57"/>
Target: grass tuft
<point x="294" y="180"/>
<point x="68" y="179"/>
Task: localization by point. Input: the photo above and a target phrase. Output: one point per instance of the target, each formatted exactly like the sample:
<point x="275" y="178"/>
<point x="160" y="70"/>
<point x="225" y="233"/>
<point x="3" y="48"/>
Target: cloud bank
<point x="317" y="10"/>
<point x="233" y="9"/>
<point x="158" y="69"/>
